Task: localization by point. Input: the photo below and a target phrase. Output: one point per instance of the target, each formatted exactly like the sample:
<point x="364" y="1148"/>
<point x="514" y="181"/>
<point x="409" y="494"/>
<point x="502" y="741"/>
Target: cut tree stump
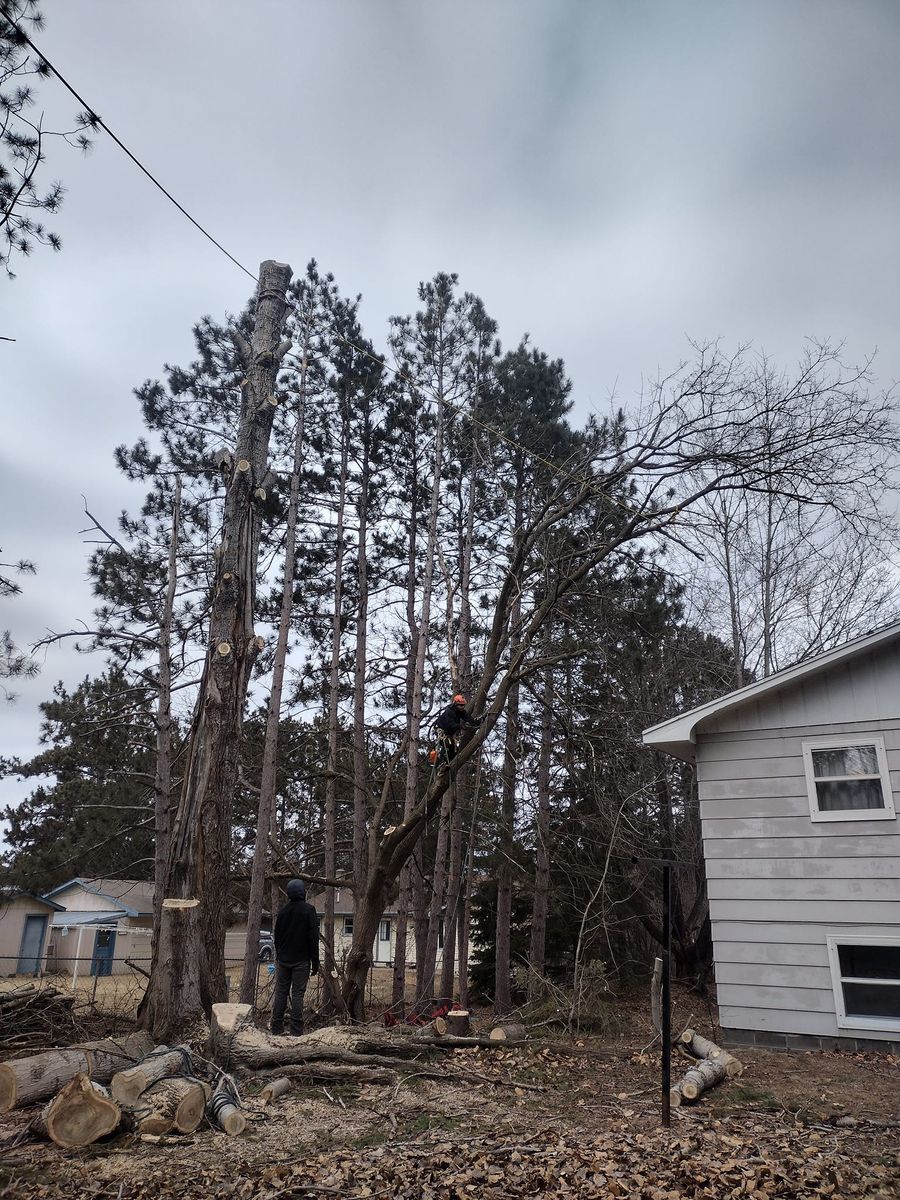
<point x="272" y="1091"/>
<point x="508" y="1033"/>
<point x="79" y="1115"/>
<point x="26" y="1080"/>
<point x="127" y="1085"/>
<point x="170" y="1104"/>
<point x="457" y="1021"/>
<point x="700" y="1047"/>
<point x="699" y="1079"/>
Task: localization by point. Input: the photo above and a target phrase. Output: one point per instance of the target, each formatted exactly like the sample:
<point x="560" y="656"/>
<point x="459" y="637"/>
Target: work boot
<point x="277" y="1030"/>
<point x="296" y="1032"/>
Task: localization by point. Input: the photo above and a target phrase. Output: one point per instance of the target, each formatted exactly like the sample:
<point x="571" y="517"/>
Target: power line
<point x="101" y="124"/>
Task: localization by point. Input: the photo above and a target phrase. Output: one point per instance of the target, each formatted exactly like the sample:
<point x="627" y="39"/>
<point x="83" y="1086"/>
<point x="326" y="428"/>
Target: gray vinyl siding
<point x="778" y="883"/>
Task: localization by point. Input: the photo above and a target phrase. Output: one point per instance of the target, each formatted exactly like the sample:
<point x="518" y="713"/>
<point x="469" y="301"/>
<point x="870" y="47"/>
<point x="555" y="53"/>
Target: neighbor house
<point x="344" y="911"/>
<point x="103" y="926"/>
<point x="797" y="777"/>
<point x="24" y="924"/>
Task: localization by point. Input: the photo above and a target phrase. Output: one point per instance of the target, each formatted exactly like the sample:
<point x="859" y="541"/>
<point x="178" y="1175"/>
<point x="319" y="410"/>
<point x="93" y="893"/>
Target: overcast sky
<point x="611" y="176"/>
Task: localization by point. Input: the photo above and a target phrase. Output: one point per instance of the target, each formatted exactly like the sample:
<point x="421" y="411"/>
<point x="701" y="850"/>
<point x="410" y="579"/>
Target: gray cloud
<point x="610" y="177"/>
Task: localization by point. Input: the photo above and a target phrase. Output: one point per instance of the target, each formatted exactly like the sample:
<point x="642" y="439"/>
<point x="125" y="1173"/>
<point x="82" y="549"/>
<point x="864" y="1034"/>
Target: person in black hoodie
<point x="296" y="956"/>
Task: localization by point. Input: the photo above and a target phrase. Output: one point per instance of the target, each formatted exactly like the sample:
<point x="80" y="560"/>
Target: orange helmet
<point x="459" y="699"/>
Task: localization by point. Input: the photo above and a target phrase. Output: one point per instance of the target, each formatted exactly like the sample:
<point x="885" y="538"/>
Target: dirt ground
<point x="573" y="1117"/>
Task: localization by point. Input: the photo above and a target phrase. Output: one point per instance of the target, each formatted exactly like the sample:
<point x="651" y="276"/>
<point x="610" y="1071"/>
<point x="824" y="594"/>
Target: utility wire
<point x="101" y="124"/>
<point x="554" y="468"/>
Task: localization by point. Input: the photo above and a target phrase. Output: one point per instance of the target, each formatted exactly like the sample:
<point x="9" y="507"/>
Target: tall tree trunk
<point x="360" y="756"/>
<point x="331" y="776"/>
<point x="197" y="864"/>
<point x="542" y="856"/>
<point x="454" y="888"/>
<point x="266" y="812"/>
<point x="506" y="842"/>
<point x="162" y="783"/>
<point x="438" y="898"/>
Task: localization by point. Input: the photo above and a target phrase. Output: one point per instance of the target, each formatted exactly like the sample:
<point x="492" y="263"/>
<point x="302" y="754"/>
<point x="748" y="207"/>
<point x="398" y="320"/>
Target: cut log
<point x="278" y="1087"/>
<point x="26" y="1080"/>
<point x="170" y="1104"/>
<point x="438" y="1028"/>
<point x="223" y="1111"/>
<point x="458" y="1024"/>
<point x="699" y="1079"/>
<point x="508" y="1033"/>
<point x="78" y="1116"/>
<point x="127" y="1085"/>
<point x="700" y="1047"/>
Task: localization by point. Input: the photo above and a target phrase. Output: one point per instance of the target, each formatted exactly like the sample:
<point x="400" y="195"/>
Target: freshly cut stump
<point x="700" y="1047"/>
<point x="170" y="1104"/>
<point x="699" y="1079"/>
<point x="25" y="1080"/>
<point x="508" y="1033"/>
<point x="127" y="1085"/>
<point x="78" y="1116"/>
<point x="458" y="1024"/>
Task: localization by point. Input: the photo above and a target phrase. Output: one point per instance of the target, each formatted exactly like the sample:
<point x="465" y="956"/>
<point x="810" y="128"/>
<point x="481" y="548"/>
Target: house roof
<point x="133" y="897"/>
<point x="86" y="917"/>
<point x="678" y="735"/>
<point x="17" y="893"/>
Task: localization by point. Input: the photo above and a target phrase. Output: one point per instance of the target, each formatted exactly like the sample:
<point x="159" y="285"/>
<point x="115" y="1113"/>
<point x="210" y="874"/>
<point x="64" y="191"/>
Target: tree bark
<point x="701" y="1047"/>
<point x="438" y="897"/>
<point x="200" y="844"/>
<point x="26" y="1080"/>
<point x="706" y="1074"/>
<point x="162" y="784"/>
<point x="127" y="1085"/>
<point x="537" y="953"/>
<point x="267" y="790"/>
<point x="511" y="1032"/>
<point x="170" y="1104"/>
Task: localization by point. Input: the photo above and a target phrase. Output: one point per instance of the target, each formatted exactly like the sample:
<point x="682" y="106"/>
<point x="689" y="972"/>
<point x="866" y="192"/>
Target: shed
<point x="797" y="776"/>
<point x="24" y="921"/>
<point x="103" y="923"/>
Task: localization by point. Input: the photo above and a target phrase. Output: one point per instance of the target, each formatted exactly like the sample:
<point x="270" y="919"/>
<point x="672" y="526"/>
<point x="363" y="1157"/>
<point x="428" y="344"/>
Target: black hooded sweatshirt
<point x="297" y="933"/>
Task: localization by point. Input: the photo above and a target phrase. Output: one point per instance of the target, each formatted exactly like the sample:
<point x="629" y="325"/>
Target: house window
<point x="865" y="974"/>
<point x="384" y="929"/>
<point x="847" y="779"/>
<point x="348" y="927"/>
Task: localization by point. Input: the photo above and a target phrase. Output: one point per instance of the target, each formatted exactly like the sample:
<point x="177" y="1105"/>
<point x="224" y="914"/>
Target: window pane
<point x="385" y="933"/>
<point x="870" y="962"/>
<point x="872" y="999"/>
<point x="835" y="795"/>
<point x="852" y="760"/>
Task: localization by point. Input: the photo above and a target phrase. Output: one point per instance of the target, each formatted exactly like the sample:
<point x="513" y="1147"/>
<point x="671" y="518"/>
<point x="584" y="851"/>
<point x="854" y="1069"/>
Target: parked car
<point x="266" y="947"/>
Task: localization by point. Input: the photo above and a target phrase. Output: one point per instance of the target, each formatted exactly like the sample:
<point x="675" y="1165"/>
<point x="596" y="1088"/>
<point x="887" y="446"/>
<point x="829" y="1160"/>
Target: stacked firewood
<point x="33" y="1013"/>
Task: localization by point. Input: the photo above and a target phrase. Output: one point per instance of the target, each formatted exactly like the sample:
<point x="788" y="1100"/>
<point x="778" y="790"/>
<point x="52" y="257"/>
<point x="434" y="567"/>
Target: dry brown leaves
<point x="737" y="1159"/>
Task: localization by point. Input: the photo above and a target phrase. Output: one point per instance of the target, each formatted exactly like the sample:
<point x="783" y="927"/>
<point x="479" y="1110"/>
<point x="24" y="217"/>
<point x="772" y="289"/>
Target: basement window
<point x="847" y="779"/>
<point x="865" y="973"/>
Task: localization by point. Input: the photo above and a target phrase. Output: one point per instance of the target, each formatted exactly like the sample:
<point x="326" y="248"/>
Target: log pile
<point x="711" y="1065"/>
<point x="129" y="1085"/>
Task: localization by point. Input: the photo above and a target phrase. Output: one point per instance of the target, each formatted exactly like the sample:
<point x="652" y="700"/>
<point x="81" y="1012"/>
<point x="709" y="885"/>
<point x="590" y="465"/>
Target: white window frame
<point x="347" y="928"/>
<point x="382" y="936"/>
<point x="849" y="814"/>
<point x="848" y="938"/>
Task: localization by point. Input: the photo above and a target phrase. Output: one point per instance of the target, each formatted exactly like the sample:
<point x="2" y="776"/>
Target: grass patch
<point x="746" y="1093"/>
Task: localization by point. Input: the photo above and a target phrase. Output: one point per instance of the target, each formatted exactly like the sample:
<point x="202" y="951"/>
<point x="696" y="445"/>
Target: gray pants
<point x="293" y="978"/>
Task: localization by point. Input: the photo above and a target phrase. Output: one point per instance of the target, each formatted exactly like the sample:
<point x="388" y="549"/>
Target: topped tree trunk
<point x="188" y="972"/>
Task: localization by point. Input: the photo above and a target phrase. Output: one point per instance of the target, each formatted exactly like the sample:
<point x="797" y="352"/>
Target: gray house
<point x="797" y="777"/>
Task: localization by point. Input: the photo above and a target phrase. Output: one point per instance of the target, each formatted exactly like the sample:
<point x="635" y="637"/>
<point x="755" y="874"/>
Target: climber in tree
<point x="450" y="724"/>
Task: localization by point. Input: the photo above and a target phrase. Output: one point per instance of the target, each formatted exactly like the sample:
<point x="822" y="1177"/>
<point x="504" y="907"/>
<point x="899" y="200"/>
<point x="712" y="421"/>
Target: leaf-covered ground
<point x="576" y="1119"/>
